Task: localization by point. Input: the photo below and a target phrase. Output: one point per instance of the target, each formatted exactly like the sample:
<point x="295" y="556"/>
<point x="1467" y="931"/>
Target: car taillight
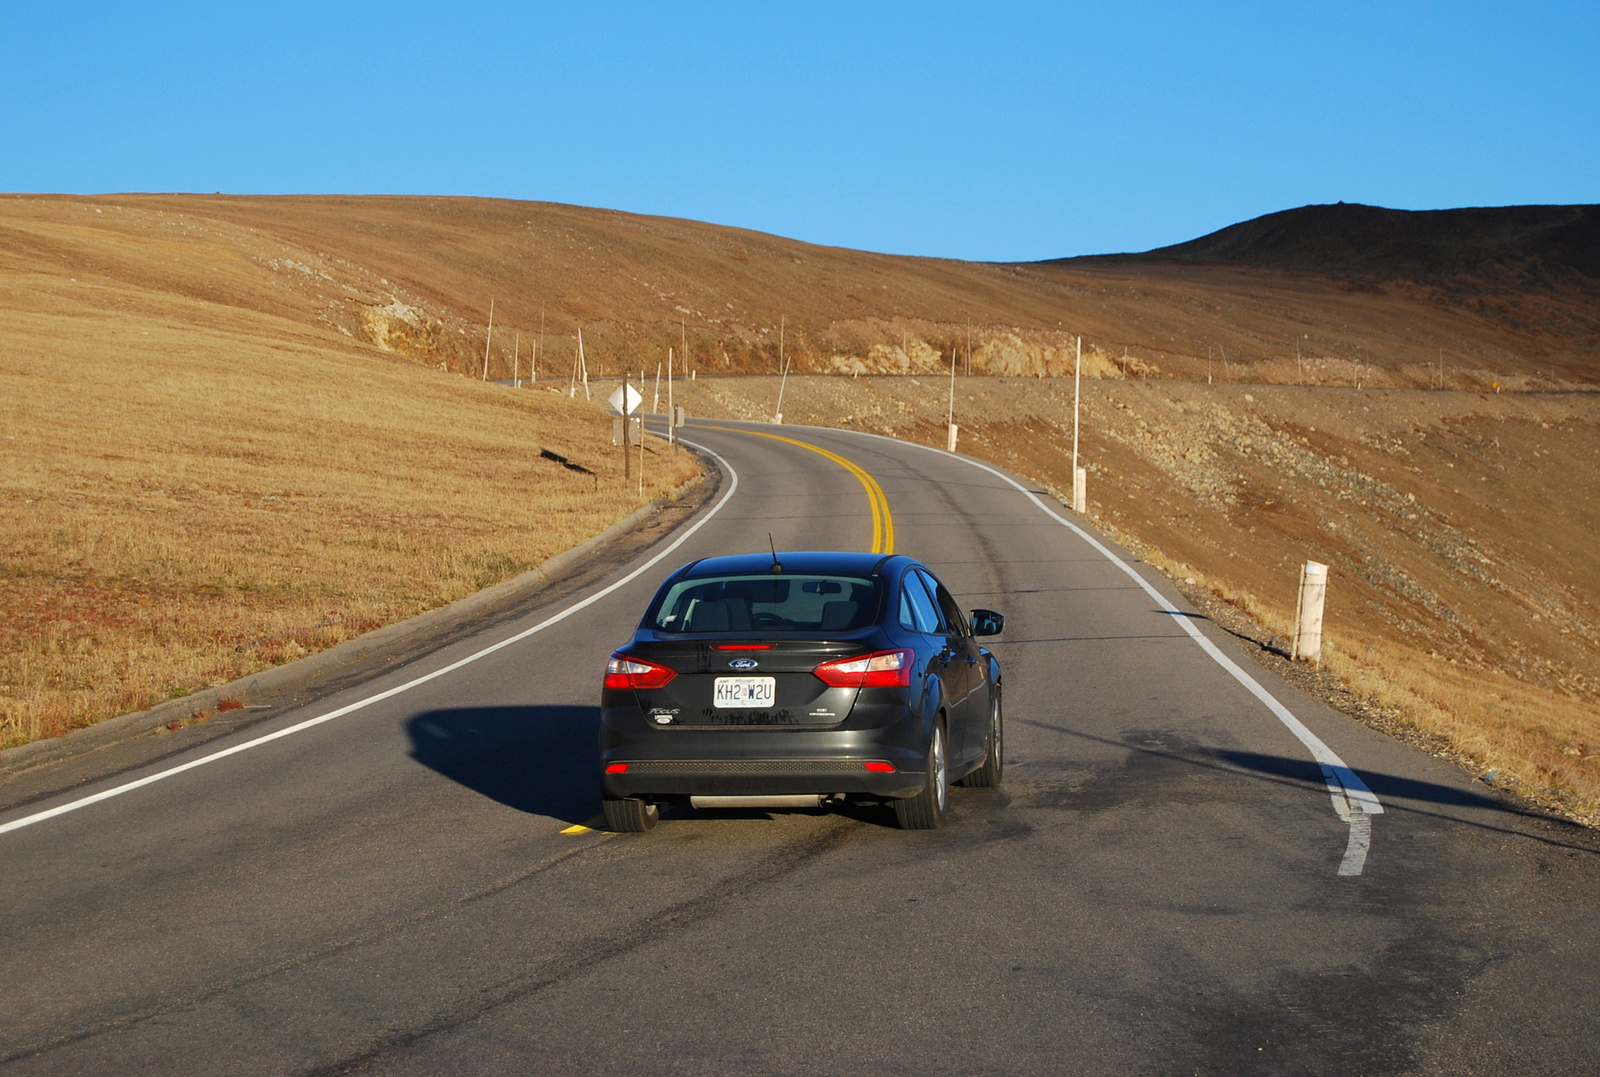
<point x="885" y="669"/>
<point x="625" y="672"/>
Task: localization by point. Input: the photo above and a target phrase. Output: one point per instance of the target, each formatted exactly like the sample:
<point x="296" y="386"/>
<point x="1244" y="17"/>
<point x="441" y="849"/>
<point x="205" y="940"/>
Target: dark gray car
<point x="796" y="680"/>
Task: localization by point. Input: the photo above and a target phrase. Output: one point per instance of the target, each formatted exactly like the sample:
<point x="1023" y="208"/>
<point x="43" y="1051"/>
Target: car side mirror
<point x="987" y="623"/>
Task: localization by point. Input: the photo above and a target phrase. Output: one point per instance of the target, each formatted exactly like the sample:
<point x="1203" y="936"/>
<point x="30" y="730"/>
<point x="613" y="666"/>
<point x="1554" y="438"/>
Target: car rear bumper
<point x="757" y="761"/>
<point x="776" y="777"/>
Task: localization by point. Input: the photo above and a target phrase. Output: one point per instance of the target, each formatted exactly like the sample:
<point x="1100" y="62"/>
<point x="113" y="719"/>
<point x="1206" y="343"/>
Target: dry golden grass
<point x="1460" y="528"/>
<point x="194" y="491"/>
<point x="1541" y="744"/>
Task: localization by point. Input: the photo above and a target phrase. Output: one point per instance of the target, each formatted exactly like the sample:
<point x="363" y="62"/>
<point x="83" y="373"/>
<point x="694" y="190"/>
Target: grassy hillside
<point x="199" y="481"/>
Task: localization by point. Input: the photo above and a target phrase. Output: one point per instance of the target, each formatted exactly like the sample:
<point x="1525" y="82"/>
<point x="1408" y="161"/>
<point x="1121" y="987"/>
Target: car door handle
<point x="972" y="660"/>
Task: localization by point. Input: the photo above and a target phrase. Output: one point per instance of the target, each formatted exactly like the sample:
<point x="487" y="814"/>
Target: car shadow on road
<point x="540" y="760"/>
<point x="1399" y="793"/>
<point x="1386" y="786"/>
<point x="1395" y="792"/>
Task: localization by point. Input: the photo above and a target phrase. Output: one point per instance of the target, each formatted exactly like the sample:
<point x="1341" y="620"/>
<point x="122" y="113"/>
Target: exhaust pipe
<point x="804" y="800"/>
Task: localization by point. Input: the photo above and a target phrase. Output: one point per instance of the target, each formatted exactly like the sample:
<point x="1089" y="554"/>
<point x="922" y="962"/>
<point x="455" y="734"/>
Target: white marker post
<point x="1080" y="477"/>
<point x="583" y="367"/>
<point x="1308" y="616"/>
<point x="783" y="378"/>
<point x="950" y="417"/>
<point x="486" y="341"/>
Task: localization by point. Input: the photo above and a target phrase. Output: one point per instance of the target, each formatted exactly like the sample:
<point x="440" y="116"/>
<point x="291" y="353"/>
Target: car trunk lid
<point x="723" y="683"/>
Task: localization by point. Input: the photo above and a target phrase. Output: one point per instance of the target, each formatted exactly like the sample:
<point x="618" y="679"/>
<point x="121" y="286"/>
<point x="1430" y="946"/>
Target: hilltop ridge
<point x="1517" y="246"/>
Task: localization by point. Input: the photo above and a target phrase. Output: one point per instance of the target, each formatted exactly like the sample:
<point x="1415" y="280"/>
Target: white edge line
<point x="150" y="779"/>
<point x="1355" y="853"/>
<point x="1349" y="787"/>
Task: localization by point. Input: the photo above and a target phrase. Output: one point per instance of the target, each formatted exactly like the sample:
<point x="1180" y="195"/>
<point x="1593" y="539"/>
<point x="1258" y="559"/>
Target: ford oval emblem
<point x="743" y="663"/>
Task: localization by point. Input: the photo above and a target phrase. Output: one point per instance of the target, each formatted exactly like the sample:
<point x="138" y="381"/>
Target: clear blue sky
<point x="985" y="130"/>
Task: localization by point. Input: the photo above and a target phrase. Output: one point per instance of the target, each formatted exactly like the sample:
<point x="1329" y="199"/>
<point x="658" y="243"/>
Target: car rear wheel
<point x="988" y="775"/>
<point x="926" y="810"/>
<point x="629" y="815"/>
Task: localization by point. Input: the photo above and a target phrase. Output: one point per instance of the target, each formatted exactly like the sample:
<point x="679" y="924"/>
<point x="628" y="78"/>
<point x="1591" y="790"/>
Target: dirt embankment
<point x="1459" y="527"/>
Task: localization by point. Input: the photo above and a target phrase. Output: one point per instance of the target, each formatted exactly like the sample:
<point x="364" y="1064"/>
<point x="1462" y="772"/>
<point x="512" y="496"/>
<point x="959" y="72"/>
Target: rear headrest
<point x="837" y="615"/>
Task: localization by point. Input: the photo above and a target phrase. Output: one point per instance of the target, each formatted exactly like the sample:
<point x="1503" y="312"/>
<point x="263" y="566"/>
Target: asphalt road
<point x="414" y="884"/>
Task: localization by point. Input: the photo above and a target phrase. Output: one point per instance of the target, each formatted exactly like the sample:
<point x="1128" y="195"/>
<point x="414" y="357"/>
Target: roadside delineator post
<point x="950" y="416"/>
<point x="1308" y="615"/>
<point x="487" y="340"/>
<point x="783" y="378"/>
<point x="1080" y="477"/>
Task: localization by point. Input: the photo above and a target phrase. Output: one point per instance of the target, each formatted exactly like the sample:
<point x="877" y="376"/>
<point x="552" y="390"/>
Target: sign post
<point x="624" y="401"/>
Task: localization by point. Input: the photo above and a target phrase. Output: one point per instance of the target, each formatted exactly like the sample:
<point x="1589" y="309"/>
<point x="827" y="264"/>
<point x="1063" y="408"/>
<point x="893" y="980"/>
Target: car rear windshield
<point x="760" y="603"/>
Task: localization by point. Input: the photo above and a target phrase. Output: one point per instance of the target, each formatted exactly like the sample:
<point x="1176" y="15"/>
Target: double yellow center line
<point x="882" y="522"/>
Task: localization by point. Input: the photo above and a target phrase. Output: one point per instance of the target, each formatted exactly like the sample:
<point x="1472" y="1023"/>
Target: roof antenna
<point x="777" y="569"/>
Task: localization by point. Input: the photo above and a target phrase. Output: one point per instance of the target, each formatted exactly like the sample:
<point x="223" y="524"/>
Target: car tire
<point x="629" y="815"/>
<point x="926" y="810"/>
<point x="987" y="776"/>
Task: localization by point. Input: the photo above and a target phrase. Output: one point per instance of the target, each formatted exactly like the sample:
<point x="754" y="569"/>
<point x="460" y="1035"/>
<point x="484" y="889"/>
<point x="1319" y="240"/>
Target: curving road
<point x="1190" y="868"/>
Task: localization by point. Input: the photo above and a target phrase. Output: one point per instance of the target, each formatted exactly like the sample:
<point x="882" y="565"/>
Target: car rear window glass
<point x="744" y="604"/>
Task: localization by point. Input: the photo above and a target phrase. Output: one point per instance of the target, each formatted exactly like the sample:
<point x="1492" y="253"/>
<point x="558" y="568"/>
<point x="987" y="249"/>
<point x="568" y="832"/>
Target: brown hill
<point x="416" y="276"/>
<point x="1505" y="296"/>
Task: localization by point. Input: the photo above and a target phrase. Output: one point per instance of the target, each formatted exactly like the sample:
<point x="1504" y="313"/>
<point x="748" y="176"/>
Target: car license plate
<point x="745" y="691"/>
